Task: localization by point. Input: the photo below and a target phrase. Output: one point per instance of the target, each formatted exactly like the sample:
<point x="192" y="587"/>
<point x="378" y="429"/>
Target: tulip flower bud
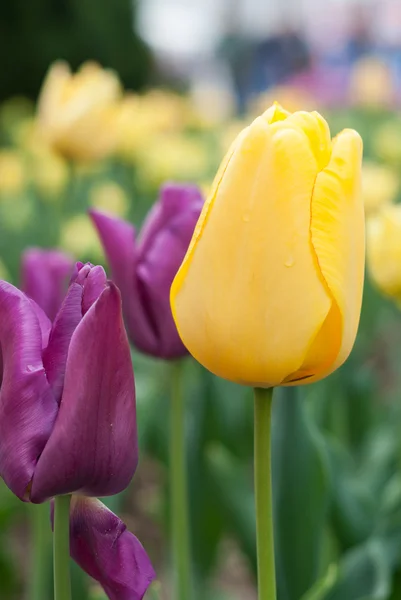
<point x="77" y="114"/>
<point x="144" y="269"/>
<point x="68" y="418"/>
<point x="45" y="277"/>
<point x="384" y="250"/>
<point x="270" y="289"/>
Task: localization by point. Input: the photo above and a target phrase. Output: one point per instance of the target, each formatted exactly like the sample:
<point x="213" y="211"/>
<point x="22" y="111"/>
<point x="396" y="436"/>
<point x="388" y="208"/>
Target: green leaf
<point x="300" y="491"/>
<point x="364" y="574"/>
<point x="354" y="508"/>
<point x="323" y="586"/>
<point x="234" y="492"/>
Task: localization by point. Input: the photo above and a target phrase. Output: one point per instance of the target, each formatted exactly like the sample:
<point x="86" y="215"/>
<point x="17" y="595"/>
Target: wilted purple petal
<point x="45" y="275"/>
<point x="55" y="355"/>
<point x="93" y="446"/>
<point x="118" y="239"/>
<point x="27" y="406"/>
<point x="104" y="548"/>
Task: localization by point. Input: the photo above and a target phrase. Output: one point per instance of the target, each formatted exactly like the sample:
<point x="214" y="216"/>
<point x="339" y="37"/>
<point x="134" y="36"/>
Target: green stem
<point x="178" y="487"/>
<point x="263" y="495"/>
<point x="41" y="551"/>
<point x="61" y="548"/>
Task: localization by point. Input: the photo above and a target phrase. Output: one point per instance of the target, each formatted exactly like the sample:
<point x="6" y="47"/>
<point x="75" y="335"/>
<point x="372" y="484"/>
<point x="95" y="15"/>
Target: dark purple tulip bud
<point x="45" y="275"/>
<point x="104" y="548"/>
<point x="67" y="411"/>
<point x="145" y="268"/>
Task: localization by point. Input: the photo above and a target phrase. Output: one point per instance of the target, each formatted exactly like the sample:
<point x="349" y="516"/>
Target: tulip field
<point x="154" y="308"/>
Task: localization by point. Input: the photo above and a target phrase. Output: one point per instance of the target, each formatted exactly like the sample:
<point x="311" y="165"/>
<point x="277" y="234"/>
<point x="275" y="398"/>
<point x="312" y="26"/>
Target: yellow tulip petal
<point x="317" y="131"/>
<point x="275" y="113"/>
<point x="337" y="234"/>
<point x="251" y="261"/>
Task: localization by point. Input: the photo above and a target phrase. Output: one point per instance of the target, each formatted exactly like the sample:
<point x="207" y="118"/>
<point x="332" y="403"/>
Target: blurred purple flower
<point x="145" y="268"/>
<point x="45" y="275"/>
<point x="67" y="412"/>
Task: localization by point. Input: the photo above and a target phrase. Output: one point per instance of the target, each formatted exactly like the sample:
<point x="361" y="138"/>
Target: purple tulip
<point x="103" y="547"/>
<point x="68" y="419"/>
<point x="45" y="275"/>
<point x="145" y="268"/>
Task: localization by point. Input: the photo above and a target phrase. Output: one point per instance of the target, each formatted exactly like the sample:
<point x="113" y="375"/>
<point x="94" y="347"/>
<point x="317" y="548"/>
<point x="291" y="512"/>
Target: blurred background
<point x="187" y="76"/>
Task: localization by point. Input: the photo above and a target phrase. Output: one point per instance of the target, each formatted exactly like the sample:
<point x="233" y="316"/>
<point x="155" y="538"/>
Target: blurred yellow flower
<point x="142" y="117"/>
<point x="371" y="84"/>
<point x="210" y="104"/>
<point x="270" y="290"/>
<point x="172" y="156"/>
<point x="380" y="185"/>
<point x="384" y="250"/>
<point x="110" y="197"/>
<point x="387" y="142"/>
<point x="28" y="136"/>
<point x="79" y="238"/>
<point x="50" y="175"/>
<point x="78" y="113"/>
<point x="12" y="172"/>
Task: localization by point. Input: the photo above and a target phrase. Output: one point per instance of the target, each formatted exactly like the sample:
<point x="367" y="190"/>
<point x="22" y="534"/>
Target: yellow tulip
<point x="371" y="84"/>
<point x="12" y="172"/>
<point x="380" y="185"/>
<point x="384" y="250"/>
<point x="79" y="238"/>
<point x="110" y="197"/>
<point x="78" y="113"/>
<point x="270" y="289"/>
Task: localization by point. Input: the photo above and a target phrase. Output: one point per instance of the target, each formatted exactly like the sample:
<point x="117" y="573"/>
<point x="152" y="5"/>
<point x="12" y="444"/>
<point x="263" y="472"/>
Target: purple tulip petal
<point x="44" y="322"/>
<point x="93" y="446"/>
<point x="103" y="547"/>
<point x="27" y="406"/>
<point x="45" y="276"/>
<point x="118" y="238"/>
<point x="175" y="199"/>
<point x="156" y="271"/>
<point x="55" y="355"/>
<point x="94" y="285"/>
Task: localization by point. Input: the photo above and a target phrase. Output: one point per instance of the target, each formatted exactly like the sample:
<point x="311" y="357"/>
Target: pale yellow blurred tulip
<point x="172" y="156"/>
<point x="50" y="175"/>
<point x="109" y="196"/>
<point x="371" y="84"/>
<point x="77" y="113"/>
<point x="142" y="117"/>
<point x="387" y="142"/>
<point x="380" y="185"/>
<point x="79" y="238"/>
<point x="384" y="250"/>
<point x="12" y="172"/>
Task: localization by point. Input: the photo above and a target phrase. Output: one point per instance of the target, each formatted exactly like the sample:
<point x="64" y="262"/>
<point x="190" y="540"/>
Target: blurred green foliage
<point x="36" y="33"/>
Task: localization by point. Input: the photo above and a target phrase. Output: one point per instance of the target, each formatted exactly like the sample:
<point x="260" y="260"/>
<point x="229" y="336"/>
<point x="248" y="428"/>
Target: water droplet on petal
<point x="289" y="262"/>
